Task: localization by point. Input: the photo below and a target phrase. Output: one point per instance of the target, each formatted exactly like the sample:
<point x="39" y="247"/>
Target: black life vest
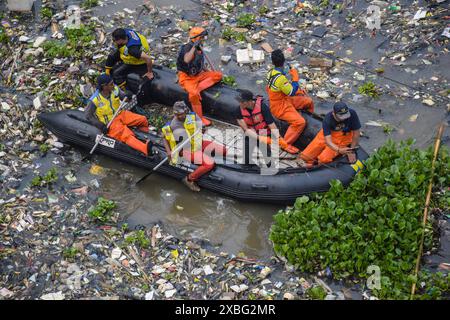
<point x="195" y="66"/>
<point x="255" y="120"/>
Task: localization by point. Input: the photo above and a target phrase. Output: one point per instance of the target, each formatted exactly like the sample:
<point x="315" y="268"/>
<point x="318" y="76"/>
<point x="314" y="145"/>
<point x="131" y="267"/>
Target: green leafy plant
<point x="157" y="120"/>
<point x="263" y="10"/>
<point x="245" y="20"/>
<point x="87" y="4"/>
<point x="138" y="238"/>
<point x="44" y="148"/>
<point x="82" y="35"/>
<point x="436" y="286"/>
<point x="324" y="3"/>
<point x="377" y="220"/>
<point x="57" y="49"/>
<point x="4" y="39"/>
<point x="70" y="253"/>
<point x="387" y="128"/>
<point x="50" y="177"/>
<point x="229" y="33"/>
<point x="229" y="80"/>
<point x="46" y="13"/>
<point x="102" y="212"/>
<point x="369" y="89"/>
<point x="316" y="293"/>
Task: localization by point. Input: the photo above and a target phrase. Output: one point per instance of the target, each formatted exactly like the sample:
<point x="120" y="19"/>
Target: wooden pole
<point x="427" y="203"/>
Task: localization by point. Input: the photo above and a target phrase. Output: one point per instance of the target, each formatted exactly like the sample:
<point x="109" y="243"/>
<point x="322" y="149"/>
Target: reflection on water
<point x="234" y="226"/>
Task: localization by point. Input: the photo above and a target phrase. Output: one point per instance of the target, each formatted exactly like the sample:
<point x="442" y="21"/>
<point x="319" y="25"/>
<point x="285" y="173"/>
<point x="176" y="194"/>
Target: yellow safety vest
<point x="277" y="82"/>
<point x="191" y="127"/>
<point x="136" y="39"/>
<point x="106" y="107"/>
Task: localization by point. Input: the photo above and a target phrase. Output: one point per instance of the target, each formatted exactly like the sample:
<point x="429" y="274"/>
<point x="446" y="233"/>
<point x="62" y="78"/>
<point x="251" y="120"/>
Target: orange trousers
<point x="285" y="108"/>
<point x="318" y="149"/>
<point x="119" y="129"/>
<point x="196" y="84"/>
<point x="207" y="163"/>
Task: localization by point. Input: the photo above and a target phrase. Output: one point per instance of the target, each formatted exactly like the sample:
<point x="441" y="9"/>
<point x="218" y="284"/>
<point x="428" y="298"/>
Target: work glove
<point x="108" y="70"/>
<point x="294" y="75"/>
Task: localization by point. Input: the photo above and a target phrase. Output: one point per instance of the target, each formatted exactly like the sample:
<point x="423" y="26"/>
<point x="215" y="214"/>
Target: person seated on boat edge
<point x="132" y="55"/>
<point x="192" y="73"/>
<point x="339" y="136"/>
<point x="101" y="108"/>
<point x="286" y="98"/>
<point x="255" y="119"/>
<point x="184" y="124"/>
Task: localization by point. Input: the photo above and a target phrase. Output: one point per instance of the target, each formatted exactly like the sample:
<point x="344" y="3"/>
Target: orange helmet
<point x="195" y="32"/>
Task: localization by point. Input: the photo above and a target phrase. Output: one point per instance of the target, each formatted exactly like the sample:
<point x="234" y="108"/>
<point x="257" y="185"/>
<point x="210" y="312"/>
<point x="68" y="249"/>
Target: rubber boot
<point x="197" y="108"/>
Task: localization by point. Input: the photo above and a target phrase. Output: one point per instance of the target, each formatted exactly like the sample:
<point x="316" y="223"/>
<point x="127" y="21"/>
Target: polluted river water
<point x="235" y="226"/>
<point x="244" y="227"/>
<point x="231" y="225"/>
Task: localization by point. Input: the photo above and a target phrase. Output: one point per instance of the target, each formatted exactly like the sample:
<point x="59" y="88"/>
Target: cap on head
<point x="277" y="58"/>
<point x="196" y="31"/>
<point x="341" y="110"/>
<point x="244" y="95"/>
<point x="180" y="107"/>
<point x="102" y="80"/>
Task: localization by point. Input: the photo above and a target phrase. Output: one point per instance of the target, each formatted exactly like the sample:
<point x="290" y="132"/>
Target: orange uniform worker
<point x="255" y="119"/>
<point x="198" y="151"/>
<point x="192" y="75"/>
<point x="286" y="97"/>
<point x="101" y="108"/>
<point x="340" y="129"/>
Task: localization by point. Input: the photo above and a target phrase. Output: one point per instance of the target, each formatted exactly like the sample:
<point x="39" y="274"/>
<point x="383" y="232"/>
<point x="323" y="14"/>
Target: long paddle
<point x="174" y="151"/>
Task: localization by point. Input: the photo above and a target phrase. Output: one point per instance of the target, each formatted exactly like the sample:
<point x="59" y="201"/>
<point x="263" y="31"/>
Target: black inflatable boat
<point x="229" y="178"/>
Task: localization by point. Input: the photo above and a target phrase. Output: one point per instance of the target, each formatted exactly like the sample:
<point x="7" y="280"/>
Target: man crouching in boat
<point x="255" y="119"/>
<point x="339" y="135"/>
<point x="185" y="125"/>
<point x="101" y="108"/>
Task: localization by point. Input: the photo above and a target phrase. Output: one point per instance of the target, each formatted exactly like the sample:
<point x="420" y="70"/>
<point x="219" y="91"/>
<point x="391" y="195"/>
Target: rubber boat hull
<point x="233" y="180"/>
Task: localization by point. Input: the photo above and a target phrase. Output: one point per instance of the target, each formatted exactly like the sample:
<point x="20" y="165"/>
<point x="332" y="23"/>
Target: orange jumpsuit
<point x="120" y="130"/>
<point x="285" y="107"/>
<point x="207" y="163"/>
<point x="194" y="85"/>
<point x="319" y="150"/>
<point x="193" y="78"/>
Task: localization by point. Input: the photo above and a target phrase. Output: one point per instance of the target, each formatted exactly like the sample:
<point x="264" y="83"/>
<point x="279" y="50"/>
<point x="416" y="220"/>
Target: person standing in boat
<point x="286" y="98"/>
<point x="254" y="117"/>
<point x="192" y="74"/>
<point x="101" y="108"/>
<point x="132" y="55"/>
<point x="339" y="136"/>
<point x="183" y="126"/>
